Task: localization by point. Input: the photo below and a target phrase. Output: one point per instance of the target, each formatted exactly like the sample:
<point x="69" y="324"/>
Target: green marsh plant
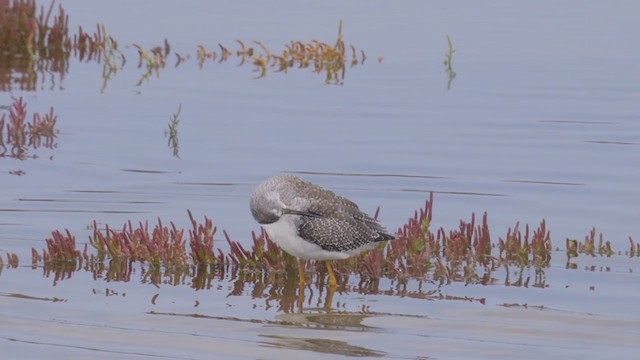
<point x="448" y="63"/>
<point x="171" y="132"/>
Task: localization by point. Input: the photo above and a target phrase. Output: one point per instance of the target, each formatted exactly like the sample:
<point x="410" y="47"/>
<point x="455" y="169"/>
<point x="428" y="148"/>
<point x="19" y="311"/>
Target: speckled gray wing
<point x="340" y="227"/>
<point x="336" y="224"/>
<point x="338" y="235"/>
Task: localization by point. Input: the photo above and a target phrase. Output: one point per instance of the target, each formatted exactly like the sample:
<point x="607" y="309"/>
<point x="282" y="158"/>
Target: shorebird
<point x="310" y="222"/>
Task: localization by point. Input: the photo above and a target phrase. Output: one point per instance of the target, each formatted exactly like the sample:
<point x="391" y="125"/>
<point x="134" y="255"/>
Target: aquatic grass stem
<point x="172" y="132"/>
<point x="448" y="63"/>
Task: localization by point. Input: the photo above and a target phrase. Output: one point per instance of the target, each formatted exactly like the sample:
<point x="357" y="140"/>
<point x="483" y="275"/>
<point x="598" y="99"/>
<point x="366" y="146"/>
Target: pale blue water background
<point x="541" y="122"/>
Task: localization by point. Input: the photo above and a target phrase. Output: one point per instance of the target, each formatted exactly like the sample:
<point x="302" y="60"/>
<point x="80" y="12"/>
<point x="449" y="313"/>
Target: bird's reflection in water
<point x="326" y="346"/>
<point x="283" y="291"/>
<point x="278" y="290"/>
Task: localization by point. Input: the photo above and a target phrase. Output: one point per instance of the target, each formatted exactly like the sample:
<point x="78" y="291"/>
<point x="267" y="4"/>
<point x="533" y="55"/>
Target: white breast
<point x="284" y="232"/>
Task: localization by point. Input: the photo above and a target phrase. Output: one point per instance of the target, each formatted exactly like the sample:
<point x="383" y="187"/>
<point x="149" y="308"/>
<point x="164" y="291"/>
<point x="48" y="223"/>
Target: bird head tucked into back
<point x="310" y="222"/>
<point x="266" y="205"/>
<point x="278" y="196"/>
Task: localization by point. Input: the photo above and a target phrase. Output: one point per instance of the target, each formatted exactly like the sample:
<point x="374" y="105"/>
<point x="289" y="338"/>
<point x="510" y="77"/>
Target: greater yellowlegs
<point x="310" y="222"/>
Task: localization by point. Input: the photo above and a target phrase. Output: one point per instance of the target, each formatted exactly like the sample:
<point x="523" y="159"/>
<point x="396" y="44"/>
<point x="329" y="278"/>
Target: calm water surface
<point x="541" y="121"/>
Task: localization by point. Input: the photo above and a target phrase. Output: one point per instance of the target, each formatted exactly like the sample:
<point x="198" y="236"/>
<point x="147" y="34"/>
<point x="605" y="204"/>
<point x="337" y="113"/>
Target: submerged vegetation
<point x="152" y="60"/>
<point x="448" y="63"/>
<point x="30" y="43"/>
<point x="167" y="254"/>
<point x="171" y="132"/>
<point x="320" y="57"/>
<point x="39" y="43"/>
<point x="18" y="135"/>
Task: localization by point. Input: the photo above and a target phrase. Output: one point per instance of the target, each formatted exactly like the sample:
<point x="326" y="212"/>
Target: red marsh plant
<point x="97" y="46"/>
<point x="589" y="246"/>
<point x="42" y="127"/>
<point x="153" y="60"/>
<point x="201" y="242"/>
<point x="541" y="245"/>
<point x="604" y="247"/>
<point x="17" y="134"/>
<point x="31" y="43"/>
<point x="61" y="248"/>
<point x="517" y="250"/>
<point x="462" y="255"/>
<point x="61" y="254"/>
<point x="634" y="250"/>
<point x="35" y="44"/>
<point x="24" y="33"/>
<point x="163" y="245"/>
<point x="320" y="57"/>
<point x="571" y="248"/>
<point x="12" y="261"/>
<point x="467" y="242"/>
<point x="114" y="270"/>
<point x="410" y="255"/>
<point x="15" y="129"/>
<point x="417" y="251"/>
<point x="263" y="255"/>
<point x="202" y="54"/>
<point x="54" y="38"/>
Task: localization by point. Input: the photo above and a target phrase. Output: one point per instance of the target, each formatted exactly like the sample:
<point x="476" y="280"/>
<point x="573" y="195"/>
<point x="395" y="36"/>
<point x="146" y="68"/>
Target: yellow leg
<point x="301" y="273"/>
<point x="301" y="264"/>
<point x="332" y="278"/>
<point x="328" y="303"/>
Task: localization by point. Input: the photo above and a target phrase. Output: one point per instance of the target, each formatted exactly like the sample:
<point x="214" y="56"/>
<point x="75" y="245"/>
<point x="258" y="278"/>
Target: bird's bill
<point x="301" y="213"/>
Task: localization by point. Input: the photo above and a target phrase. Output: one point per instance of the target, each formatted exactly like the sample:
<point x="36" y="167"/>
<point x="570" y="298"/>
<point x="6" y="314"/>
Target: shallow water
<point x="540" y="122"/>
<point x="576" y="312"/>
